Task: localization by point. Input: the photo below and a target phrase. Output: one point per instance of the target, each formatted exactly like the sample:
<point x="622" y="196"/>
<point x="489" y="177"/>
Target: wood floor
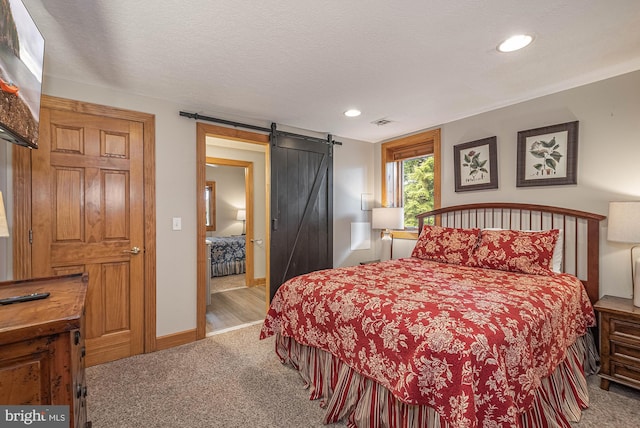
<point x="235" y="307"/>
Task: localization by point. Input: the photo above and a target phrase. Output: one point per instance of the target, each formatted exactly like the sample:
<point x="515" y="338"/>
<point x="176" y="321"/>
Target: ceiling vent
<point x="381" y="122"/>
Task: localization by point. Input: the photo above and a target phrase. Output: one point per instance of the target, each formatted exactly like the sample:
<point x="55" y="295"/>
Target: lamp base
<point x="385" y="244"/>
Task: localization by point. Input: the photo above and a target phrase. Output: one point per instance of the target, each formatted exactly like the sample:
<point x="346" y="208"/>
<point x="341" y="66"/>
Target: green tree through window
<point x="418" y="185"/>
<point x="411" y="177"/>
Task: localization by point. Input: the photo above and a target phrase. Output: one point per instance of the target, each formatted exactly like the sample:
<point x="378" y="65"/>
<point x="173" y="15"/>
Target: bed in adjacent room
<point x="487" y="324"/>
<point x="228" y="255"/>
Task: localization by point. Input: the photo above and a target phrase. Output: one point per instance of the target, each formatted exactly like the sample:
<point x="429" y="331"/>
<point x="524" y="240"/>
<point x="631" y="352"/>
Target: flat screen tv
<point x="21" y="61"/>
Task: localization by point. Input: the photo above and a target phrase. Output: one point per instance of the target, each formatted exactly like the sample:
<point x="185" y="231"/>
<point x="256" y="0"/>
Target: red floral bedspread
<point x="471" y="343"/>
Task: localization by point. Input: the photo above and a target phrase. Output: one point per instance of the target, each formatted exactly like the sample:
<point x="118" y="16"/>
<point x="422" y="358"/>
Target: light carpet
<point x="234" y="380"/>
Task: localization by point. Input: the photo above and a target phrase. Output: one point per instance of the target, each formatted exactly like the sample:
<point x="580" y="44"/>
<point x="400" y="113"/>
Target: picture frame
<point x="476" y="165"/>
<point x="548" y="156"/>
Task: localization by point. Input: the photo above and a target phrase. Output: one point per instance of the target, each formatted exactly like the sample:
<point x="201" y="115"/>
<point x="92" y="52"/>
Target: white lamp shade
<point x="387" y="218"/>
<point x="4" y="228"/>
<point x="624" y="222"/>
<point x="242" y="215"/>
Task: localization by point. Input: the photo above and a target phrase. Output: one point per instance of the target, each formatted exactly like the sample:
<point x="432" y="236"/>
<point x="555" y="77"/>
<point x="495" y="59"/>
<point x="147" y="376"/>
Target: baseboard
<point x="175" y="339"/>
<point x="258" y="281"/>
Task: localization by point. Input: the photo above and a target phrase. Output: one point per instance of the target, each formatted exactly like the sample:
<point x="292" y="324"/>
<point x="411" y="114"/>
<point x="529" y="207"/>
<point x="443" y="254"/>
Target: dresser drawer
<point x="625" y="350"/>
<point x="625" y="373"/>
<point x="624" y="328"/>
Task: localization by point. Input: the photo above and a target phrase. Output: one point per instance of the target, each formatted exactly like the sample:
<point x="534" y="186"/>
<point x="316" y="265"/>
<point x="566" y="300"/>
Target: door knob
<point x="134" y="250"/>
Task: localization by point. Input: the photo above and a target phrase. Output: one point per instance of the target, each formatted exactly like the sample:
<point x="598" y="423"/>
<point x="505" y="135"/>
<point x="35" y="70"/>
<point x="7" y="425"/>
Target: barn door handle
<point x="134" y="250"/>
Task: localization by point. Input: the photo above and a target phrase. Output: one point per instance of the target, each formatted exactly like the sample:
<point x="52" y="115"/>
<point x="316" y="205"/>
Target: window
<point x="411" y="176"/>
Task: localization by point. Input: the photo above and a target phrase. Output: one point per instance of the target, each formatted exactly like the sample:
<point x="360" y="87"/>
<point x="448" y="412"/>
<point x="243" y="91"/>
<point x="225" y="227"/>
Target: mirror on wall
<point x="6" y="188"/>
<point x="210" y="205"/>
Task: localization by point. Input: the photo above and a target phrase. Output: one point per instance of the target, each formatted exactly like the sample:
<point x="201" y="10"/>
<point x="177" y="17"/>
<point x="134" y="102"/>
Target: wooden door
<point x="301" y="208"/>
<point x="88" y="216"/>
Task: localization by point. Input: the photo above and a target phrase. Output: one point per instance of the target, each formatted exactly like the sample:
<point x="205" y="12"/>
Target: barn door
<point x="301" y="207"/>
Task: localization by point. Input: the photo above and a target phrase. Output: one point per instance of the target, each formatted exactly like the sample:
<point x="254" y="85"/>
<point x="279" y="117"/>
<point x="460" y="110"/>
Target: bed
<point x="487" y="324"/>
<point x="227" y="255"/>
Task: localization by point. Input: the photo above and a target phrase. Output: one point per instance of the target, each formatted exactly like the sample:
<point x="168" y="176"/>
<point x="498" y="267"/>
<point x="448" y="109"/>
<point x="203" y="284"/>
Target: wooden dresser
<point x="42" y="345"/>
<point x="619" y="324"/>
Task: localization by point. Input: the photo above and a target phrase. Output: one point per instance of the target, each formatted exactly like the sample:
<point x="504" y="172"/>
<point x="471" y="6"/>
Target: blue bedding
<point x="227" y="255"/>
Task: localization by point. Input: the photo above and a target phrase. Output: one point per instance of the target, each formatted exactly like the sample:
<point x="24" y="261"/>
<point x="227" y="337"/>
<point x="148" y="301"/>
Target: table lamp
<point x="624" y="226"/>
<point x="386" y="219"/>
<point x="242" y="216"/>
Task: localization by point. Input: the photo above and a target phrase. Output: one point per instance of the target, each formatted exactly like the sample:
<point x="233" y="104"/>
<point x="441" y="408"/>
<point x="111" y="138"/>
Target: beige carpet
<point x="234" y="380"/>
<point x="228" y="380"/>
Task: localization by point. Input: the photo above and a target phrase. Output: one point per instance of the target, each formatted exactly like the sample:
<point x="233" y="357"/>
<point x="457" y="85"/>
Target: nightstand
<point x="619" y="323"/>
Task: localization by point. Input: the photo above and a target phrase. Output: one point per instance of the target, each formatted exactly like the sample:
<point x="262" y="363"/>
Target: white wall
<point x="176" y="195"/>
<point x="608" y="154"/>
<point x="230" y="197"/>
<point x="353" y="175"/>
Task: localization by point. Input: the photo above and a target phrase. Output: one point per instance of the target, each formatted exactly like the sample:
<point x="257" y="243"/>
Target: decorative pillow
<point x="446" y="244"/>
<point x="556" y="264"/>
<point x="516" y="251"/>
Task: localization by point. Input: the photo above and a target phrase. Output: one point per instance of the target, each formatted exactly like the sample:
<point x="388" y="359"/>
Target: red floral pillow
<point x="516" y="251"/>
<point x="446" y="244"/>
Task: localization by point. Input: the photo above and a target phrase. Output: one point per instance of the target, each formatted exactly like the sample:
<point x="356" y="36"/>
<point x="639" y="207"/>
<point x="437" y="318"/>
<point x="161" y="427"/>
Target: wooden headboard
<point x="580" y="231"/>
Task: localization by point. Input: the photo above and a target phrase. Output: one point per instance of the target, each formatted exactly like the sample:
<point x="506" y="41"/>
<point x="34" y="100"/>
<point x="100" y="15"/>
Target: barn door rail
<point x="329" y="140"/>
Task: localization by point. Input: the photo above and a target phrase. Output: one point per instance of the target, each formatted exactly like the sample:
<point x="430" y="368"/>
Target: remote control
<point x="25" y="298"/>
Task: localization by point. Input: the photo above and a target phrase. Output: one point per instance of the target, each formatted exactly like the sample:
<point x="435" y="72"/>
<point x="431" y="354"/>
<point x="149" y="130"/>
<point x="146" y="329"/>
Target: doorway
<point x="233" y="148"/>
<point x="236" y="280"/>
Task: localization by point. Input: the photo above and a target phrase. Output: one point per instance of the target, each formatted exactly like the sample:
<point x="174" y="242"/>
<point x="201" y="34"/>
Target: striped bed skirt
<point x="233" y="267"/>
<point x="346" y="394"/>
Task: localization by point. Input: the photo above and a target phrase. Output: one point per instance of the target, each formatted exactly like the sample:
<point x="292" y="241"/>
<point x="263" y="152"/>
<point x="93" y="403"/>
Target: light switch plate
<point x="177" y="223"/>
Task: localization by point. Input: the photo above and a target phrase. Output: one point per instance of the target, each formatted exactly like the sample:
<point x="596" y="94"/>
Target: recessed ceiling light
<point x="514" y="43"/>
<point x="352" y="112"/>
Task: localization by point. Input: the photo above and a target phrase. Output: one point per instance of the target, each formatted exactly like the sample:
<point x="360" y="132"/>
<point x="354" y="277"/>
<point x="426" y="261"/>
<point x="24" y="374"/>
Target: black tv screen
<point x="21" y="61"/>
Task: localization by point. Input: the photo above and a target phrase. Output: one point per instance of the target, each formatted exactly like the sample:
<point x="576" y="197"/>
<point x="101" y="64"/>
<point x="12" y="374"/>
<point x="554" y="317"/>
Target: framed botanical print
<point x="548" y="156"/>
<point x="476" y="165"/>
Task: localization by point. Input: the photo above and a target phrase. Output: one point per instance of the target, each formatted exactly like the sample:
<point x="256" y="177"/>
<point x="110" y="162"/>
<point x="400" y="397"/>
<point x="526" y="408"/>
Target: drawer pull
<point x="78" y="391"/>
<point x="83" y="352"/>
<point x="84" y="391"/>
<point x="76" y="338"/>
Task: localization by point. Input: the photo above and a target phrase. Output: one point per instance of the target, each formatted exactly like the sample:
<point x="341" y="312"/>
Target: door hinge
<point x="30" y="236"/>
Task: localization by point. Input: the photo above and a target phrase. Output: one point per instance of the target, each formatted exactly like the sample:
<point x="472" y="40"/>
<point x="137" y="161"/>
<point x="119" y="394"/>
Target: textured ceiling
<point x="301" y="63"/>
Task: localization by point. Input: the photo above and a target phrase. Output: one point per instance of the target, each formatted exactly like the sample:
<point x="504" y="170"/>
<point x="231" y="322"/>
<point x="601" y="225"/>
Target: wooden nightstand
<point x="619" y="323"/>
